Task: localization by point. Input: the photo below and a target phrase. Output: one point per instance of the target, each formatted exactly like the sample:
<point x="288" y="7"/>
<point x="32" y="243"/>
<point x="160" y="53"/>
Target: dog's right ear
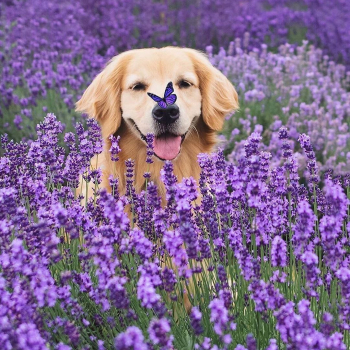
<point x="101" y="100"/>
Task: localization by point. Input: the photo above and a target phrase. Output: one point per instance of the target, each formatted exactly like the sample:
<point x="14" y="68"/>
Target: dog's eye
<point x="139" y="87"/>
<point x="184" y="84"/>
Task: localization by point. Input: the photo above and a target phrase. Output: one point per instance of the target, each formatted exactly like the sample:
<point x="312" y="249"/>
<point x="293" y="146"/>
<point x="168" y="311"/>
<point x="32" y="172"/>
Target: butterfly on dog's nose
<point x="168" y="99"/>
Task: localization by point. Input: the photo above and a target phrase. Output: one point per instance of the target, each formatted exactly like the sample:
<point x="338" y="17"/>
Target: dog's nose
<point x="166" y="115"/>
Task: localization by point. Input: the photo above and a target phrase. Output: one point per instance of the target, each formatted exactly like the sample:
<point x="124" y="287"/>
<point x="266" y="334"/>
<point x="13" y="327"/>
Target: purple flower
<point x="196" y="318"/>
<point x="169" y="180"/>
<point x="334" y="342"/>
<point x="130" y="190"/>
<point x="304" y="227"/>
<point x="60" y="214"/>
<point x="115" y="149"/>
<point x="297" y="330"/>
<point x="252" y="144"/>
<point x="150" y="152"/>
<point x="278" y="252"/>
<point x="100" y="344"/>
<point x="240" y="347"/>
<point x="131" y="339"/>
<point x="173" y="243"/>
<point x="247" y="264"/>
<point x="117" y="293"/>
<point x="158" y="330"/>
<point x="219" y="317"/>
<point x="204" y="248"/>
<point x="186" y="228"/>
<point x="313" y="280"/>
<point x="141" y="244"/>
<point x="265" y="296"/>
<point x="29" y="337"/>
<point x="337" y="202"/>
<point x="308" y="149"/>
<point x="327" y="325"/>
<point x="17" y="121"/>
<point x="343" y="274"/>
<point x="272" y="345"/>
<point x="206" y="344"/>
<point x="61" y="346"/>
<point x="146" y="285"/>
<point x="251" y="342"/>
<point x="169" y="279"/>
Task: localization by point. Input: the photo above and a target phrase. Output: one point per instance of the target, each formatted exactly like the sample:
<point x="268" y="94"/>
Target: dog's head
<point x="120" y="91"/>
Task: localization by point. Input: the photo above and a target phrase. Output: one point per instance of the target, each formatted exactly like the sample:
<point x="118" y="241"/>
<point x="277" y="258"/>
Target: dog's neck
<point x="200" y="140"/>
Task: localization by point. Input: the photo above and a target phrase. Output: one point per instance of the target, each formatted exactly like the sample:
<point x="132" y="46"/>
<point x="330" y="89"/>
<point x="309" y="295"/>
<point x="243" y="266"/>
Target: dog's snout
<point x="166" y="115"/>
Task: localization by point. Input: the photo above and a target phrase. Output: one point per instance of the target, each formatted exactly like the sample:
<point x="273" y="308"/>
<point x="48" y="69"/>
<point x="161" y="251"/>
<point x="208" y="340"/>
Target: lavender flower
<point x="252" y="144"/>
<point x="298" y="330"/>
<point x="158" y="330"/>
<point x="343" y="274"/>
<point x="303" y="227"/>
<point x="310" y="261"/>
<point x="251" y="342"/>
<point x="150" y="152"/>
<point x="173" y="243"/>
<point x="272" y="345"/>
<point x="115" y="149"/>
<point x="220" y="318"/>
<point x="169" y="279"/>
<point x="312" y="165"/>
<point x="29" y="337"/>
<point x="146" y="285"/>
<point x="186" y="228"/>
<point x="196" y="317"/>
<point x="141" y="244"/>
<point x="279" y="252"/>
<point x="132" y="338"/>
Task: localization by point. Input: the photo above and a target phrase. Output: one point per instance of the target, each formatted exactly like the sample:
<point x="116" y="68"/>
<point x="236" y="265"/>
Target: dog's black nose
<point x="166" y="115"/>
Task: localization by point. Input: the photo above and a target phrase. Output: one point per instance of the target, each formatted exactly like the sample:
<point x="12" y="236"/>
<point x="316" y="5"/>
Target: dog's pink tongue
<point x="167" y="146"/>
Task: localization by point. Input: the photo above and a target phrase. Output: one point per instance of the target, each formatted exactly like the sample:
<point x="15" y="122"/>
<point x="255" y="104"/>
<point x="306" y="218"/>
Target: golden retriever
<point x="118" y="99"/>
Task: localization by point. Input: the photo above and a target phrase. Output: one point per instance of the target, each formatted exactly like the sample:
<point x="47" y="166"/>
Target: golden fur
<point x="112" y="100"/>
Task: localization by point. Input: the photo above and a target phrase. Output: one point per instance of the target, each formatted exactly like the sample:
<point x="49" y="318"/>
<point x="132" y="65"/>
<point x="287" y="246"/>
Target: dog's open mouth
<point x="166" y="145"/>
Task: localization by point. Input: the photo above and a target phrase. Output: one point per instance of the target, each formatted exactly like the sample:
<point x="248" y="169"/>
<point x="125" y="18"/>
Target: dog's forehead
<point x="149" y="65"/>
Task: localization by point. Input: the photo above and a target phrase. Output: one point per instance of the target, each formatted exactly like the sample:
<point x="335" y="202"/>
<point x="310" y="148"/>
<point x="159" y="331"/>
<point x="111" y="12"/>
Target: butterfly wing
<point x="168" y="90"/>
<point x="170" y="100"/>
<point x="162" y="104"/>
<point x="154" y="97"/>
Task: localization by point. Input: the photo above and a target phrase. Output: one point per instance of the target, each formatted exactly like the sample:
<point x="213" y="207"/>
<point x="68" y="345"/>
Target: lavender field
<point x="264" y="257"/>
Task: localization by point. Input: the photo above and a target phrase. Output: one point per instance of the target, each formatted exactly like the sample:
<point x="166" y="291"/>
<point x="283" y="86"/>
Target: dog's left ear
<point x="101" y="100"/>
<point x="219" y="97"/>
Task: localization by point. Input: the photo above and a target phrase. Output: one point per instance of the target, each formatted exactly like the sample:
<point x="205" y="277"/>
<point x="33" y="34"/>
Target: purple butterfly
<point x="168" y="99"/>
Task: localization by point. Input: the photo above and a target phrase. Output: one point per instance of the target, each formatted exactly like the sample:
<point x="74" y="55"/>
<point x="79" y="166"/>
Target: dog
<point x="117" y="98"/>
